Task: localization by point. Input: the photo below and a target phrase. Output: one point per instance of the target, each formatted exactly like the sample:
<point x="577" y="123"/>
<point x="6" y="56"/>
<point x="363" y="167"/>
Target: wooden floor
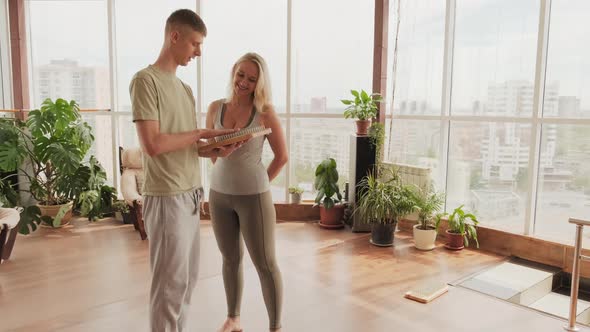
<point x="96" y="278"/>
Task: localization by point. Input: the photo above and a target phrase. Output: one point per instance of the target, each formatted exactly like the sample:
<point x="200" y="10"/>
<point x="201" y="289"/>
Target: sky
<point x="495" y="42"/>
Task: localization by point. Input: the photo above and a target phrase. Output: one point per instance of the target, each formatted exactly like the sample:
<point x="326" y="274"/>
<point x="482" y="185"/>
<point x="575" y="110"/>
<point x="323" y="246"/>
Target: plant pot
<point x="424" y="239"/>
<point x="331" y="218"/>
<point x="129" y="217"/>
<point x="295" y="198"/>
<point x="52" y="210"/>
<point x="455" y="241"/>
<point x="382" y="234"/>
<point x="362" y="127"/>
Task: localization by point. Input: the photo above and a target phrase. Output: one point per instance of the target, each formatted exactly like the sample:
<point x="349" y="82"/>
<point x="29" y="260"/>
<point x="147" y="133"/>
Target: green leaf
<point x="30" y="218"/>
<point x="65" y="156"/>
<point x="89" y="202"/>
<point x="328" y="203"/>
<point x="60" y="214"/>
<point x="72" y="185"/>
<point x="355" y="93"/>
<point x="47" y="220"/>
<point x="8" y="196"/>
<point x="39" y="123"/>
<point x="319" y="196"/>
<point x="364" y="96"/>
<point x="11" y="156"/>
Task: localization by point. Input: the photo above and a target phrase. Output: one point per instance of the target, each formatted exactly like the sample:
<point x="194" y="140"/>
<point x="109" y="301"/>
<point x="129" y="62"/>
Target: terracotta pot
<point x="455" y="241"/>
<point x="382" y="234"/>
<point x="362" y="127"/>
<point x="331" y="218"/>
<point x="52" y="210"/>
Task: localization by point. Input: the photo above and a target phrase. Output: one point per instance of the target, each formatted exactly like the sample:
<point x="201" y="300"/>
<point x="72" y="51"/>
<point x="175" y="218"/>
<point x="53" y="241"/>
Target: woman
<point x="240" y="199"/>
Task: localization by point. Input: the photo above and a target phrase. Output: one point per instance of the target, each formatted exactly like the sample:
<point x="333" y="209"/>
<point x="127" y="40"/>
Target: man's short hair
<point x="188" y="18"/>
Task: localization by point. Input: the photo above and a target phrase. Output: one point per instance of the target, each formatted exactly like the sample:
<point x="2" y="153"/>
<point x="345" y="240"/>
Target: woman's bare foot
<point x="231" y="324"/>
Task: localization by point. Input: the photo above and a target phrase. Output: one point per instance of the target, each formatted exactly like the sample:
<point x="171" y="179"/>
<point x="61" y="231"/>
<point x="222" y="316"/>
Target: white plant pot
<point x="295" y="198"/>
<point x="424" y="239"/>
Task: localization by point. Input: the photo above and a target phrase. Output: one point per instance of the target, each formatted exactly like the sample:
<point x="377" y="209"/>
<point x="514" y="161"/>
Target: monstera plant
<point x="48" y="150"/>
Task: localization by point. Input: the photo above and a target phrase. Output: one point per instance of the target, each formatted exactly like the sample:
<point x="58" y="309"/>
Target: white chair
<point x="131" y="168"/>
<point x="9" y="218"/>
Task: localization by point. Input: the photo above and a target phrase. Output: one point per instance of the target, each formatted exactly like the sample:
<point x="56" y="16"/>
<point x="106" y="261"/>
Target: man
<point x="164" y="113"/>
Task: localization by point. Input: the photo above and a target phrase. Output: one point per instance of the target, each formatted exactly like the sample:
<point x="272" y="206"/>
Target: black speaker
<point x="362" y="160"/>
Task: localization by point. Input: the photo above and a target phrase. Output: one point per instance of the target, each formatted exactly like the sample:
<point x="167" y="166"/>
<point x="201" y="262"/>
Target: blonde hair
<point x="262" y="93"/>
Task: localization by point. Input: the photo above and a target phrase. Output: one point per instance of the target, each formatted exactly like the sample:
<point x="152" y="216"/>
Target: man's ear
<point x="174" y="36"/>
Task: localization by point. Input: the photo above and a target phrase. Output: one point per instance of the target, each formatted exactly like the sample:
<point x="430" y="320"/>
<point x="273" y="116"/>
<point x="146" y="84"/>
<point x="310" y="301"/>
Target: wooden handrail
<point x="86" y="110"/>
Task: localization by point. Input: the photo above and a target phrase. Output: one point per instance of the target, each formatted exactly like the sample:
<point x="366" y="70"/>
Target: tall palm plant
<point x="427" y="204"/>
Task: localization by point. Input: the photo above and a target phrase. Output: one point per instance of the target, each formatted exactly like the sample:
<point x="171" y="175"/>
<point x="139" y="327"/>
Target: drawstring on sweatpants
<point x="198" y="200"/>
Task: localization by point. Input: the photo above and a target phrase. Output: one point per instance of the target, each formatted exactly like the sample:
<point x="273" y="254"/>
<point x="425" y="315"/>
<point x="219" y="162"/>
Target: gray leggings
<point x="255" y="217"/>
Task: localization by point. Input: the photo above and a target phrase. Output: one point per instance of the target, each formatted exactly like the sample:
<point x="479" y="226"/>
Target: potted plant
<point x="381" y="202"/>
<point x="363" y="108"/>
<point x="121" y="209"/>
<point x="425" y="231"/>
<point x="48" y="150"/>
<point x="96" y="201"/>
<point x="295" y="193"/>
<point x="328" y="196"/>
<point x="461" y="229"/>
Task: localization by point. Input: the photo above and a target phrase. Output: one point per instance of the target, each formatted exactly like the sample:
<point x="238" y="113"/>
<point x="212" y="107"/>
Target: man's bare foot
<point x="231" y="324"/>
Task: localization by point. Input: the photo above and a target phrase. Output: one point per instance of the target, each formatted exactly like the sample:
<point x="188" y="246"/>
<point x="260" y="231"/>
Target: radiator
<point x="410" y="174"/>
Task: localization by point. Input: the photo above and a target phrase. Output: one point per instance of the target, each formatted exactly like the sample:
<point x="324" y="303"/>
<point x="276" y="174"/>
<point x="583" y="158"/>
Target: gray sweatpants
<point x="172" y="226"/>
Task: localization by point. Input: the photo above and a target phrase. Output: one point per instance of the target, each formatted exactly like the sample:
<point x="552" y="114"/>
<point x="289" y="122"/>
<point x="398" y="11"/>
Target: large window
<point x="418" y="85"/>
<point x="69" y="52"/>
<point x="564" y="177"/>
<point x="5" y="91"/>
<point x="487" y="171"/>
<point x="465" y="76"/>
<point x="564" y="180"/>
<point x="250" y="26"/>
<point x="233" y="33"/>
<point x="416" y="142"/>
<point x="491" y="135"/>
<point x="332" y="53"/>
<point x="309" y="73"/>
<point x="568" y="60"/>
<point x="137" y="41"/>
<point x="419" y="57"/>
<point x="494" y="57"/>
<point x="312" y="143"/>
<point x="139" y="36"/>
